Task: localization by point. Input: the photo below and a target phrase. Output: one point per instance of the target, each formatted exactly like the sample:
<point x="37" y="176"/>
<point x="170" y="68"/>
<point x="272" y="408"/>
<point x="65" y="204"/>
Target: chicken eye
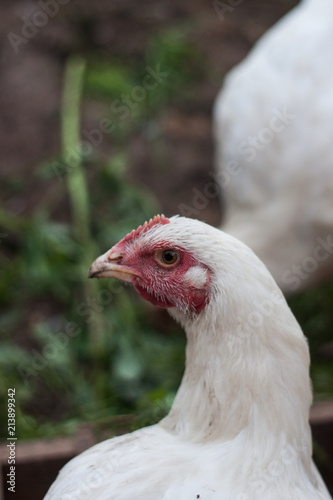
<point x="167" y="257"/>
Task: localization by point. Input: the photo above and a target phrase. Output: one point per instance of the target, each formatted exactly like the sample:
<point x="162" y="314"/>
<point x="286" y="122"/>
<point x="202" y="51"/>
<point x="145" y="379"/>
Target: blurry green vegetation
<point x="176" y="56"/>
<point x="168" y="53"/>
<point x="313" y="310"/>
<point x="79" y="350"/>
<point x="109" y="79"/>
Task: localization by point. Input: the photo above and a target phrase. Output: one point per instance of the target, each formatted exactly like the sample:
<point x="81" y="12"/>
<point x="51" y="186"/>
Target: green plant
<point x="68" y="343"/>
<point x="313" y="310"/>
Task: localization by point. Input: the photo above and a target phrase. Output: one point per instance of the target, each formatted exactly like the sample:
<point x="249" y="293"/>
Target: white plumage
<point x="274" y="147"/>
<point x="238" y="428"/>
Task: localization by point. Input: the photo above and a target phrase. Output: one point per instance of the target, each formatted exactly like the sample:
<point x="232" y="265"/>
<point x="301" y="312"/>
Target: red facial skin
<point x="162" y="284"/>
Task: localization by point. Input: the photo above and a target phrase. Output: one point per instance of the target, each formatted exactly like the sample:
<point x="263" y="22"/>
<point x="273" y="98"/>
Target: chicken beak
<point x="109" y="265"/>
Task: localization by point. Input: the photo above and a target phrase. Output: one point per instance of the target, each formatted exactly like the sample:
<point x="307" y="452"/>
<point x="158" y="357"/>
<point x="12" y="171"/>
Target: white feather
<point x="238" y="428"/>
<point x="196" y="276"/>
<point x="274" y="136"/>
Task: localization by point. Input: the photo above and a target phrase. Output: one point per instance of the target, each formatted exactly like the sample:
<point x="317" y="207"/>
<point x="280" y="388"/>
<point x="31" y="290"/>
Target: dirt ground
<point x="31" y="76"/>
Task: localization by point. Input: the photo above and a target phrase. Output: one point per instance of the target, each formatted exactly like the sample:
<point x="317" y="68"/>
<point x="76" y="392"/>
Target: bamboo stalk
<point x="70" y="126"/>
<point x="78" y="192"/>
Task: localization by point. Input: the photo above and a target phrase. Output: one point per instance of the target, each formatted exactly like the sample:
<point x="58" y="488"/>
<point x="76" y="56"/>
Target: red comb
<point x="158" y="219"/>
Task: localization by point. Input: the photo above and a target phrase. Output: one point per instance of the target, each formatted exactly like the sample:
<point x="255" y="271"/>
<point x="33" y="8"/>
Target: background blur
<point x="105" y="120"/>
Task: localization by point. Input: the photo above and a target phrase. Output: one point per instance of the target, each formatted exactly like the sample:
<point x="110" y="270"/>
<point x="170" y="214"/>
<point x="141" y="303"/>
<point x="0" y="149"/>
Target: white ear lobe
<point x="196" y="276"/>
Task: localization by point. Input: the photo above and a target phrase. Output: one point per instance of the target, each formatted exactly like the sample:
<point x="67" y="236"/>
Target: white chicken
<point x="238" y="428"/>
<point x="274" y="147"/>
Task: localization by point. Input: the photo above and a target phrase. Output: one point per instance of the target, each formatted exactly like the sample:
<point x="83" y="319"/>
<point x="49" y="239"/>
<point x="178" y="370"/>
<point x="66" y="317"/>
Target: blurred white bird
<point x="238" y="428"/>
<point x="274" y="147"/>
